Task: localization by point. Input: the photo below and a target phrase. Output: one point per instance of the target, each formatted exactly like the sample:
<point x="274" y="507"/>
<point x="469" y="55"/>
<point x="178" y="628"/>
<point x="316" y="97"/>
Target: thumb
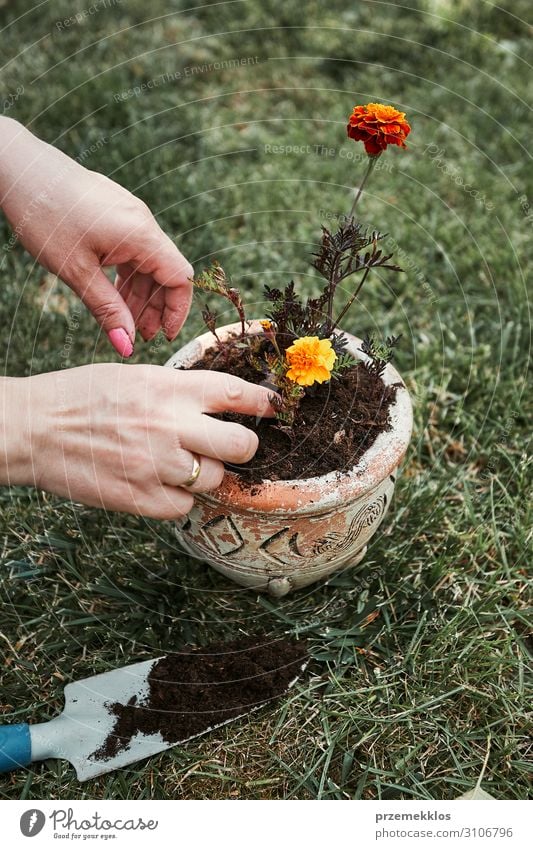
<point x="109" y="309"/>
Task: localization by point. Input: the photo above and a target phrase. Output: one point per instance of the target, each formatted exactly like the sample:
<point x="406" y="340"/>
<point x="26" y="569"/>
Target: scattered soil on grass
<point x="191" y="692"/>
<point x="334" y="425"/>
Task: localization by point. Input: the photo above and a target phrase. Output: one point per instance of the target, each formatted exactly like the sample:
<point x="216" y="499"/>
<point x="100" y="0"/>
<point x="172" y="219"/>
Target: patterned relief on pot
<point x="271" y="544"/>
<point x="360" y="529"/>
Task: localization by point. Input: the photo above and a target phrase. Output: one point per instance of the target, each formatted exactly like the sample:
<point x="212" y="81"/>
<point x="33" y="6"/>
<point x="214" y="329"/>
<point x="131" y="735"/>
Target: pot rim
<point x="323" y="492"/>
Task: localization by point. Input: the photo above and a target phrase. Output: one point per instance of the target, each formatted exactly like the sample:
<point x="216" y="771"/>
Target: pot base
<point x="276" y="585"/>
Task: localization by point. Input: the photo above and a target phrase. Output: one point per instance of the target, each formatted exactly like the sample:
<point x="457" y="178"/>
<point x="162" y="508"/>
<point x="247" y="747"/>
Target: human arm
<point x="122" y="437"/>
<point x="76" y="223"/>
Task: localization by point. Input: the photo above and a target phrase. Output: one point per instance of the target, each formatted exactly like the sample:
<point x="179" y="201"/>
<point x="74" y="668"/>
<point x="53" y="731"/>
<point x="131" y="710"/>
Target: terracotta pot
<point x="279" y="536"/>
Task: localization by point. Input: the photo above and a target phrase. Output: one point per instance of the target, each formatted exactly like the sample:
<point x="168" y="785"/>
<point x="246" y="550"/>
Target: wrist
<point x="17" y="467"/>
<point x="23" y="159"/>
<point x="9" y="130"/>
<point x="11" y="135"/>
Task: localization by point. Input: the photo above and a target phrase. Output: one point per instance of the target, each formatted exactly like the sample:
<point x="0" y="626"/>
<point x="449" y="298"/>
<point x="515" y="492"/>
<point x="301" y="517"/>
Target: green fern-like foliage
<point x="214" y="280"/>
<point x="342" y="363"/>
<point x="379" y="354"/>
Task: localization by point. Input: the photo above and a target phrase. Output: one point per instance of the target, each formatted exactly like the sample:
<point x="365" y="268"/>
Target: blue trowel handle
<point x="15" y="746"/>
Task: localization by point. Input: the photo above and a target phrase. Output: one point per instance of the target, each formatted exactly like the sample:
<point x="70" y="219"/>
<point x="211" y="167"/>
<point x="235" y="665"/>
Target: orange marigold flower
<point x="378" y="126"/>
<point x="310" y="360"/>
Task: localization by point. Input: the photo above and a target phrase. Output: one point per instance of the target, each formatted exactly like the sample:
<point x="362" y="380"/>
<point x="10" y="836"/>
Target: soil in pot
<point x="197" y="689"/>
<point x="334" y="426"/>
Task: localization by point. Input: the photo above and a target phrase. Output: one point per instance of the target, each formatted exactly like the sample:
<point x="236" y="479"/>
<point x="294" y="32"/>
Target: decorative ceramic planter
<point x="278" y="536"/>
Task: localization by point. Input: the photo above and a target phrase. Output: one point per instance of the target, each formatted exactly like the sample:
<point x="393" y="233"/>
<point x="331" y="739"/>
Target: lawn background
<point x="421" y="653"/>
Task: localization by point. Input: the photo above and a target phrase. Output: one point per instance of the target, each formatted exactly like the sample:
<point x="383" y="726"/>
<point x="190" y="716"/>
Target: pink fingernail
<point x="121" y="342"/>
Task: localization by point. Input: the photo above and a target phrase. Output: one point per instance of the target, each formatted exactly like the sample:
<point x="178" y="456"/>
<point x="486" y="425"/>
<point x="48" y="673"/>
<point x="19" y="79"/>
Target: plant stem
<point x="370" y="167"/>
<point x="333" y="283"/>
<point x="350" y="302"/>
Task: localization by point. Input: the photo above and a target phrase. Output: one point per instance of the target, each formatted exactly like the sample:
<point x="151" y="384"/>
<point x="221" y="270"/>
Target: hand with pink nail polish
<point x="76" y="223"/>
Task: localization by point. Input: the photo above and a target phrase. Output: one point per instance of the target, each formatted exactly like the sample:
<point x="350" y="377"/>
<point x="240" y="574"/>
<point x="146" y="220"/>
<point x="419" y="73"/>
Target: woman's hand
<point x="76" y="222"/>
<point x="122" y="437"/>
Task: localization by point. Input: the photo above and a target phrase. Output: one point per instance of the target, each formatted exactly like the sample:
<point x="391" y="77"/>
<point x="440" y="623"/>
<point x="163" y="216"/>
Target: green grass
<point x="421" y="654"/>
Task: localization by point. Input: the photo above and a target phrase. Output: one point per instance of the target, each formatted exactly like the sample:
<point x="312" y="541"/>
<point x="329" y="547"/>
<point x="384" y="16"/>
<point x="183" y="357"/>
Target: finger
<point x="133" y="301"/>
<point x="218" y="392"/>
<point x="140" y="289"/>
<point x="123" y="286"/>
<point x="225" y="441"/>
<point x="146" y="300"/>
<point x="176" y="310"/>
<point x="109" y="309"/>
<point x="165" y="502"/>
<point x="177" y="471"/>
<point x="170" y="269"/>
<point x="150" y="320"/>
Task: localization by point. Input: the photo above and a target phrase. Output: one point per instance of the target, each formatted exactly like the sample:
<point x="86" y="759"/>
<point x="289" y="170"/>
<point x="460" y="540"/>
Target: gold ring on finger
<point x="196" y="469"/>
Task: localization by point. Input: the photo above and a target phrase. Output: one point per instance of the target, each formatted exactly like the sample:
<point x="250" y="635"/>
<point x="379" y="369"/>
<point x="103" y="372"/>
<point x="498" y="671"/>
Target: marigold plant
<point x="299" y="346"/>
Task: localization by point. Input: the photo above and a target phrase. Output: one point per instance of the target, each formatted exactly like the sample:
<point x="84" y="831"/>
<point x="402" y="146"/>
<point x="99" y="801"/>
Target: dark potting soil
<point x="334" y="425"/>
<point x="193" y="691"/>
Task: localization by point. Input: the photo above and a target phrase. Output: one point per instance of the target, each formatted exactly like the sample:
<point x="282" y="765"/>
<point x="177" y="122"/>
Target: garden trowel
<point x="81" y="730"/>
